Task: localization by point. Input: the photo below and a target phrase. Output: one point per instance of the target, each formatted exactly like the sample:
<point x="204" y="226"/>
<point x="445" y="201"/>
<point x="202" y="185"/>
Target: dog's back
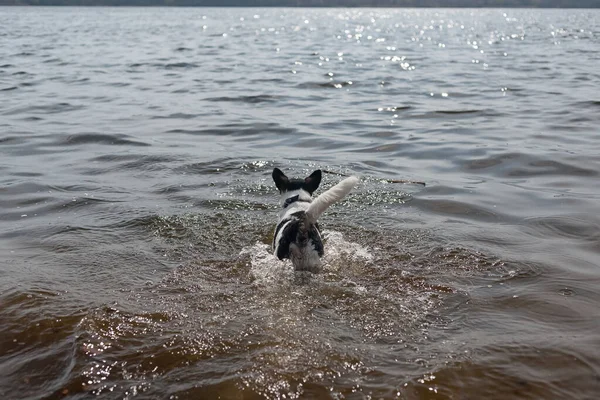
<point x="299" y="240"/>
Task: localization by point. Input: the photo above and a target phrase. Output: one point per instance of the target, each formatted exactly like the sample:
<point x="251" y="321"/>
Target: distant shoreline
<point x="498" y="7"/>
<point x="488" y="4"/>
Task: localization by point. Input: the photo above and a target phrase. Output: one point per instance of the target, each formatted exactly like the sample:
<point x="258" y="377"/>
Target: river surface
<point x="137" y="207"/>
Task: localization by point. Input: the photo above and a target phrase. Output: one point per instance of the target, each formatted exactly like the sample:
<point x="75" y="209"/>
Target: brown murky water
<point x="136" y="205"/>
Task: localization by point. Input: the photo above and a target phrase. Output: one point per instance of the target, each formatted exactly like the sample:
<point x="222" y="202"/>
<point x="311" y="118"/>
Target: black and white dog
<point x="297" y="235"/>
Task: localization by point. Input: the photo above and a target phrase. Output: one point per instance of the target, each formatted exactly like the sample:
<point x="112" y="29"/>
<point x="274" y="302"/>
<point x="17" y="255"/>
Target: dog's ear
<point x="280" y="179"/>
<point x="312" y="182"/>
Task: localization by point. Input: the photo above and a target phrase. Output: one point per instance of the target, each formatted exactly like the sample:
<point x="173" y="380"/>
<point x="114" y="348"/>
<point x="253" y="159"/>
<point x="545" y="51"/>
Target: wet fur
<point x="297" y="236"/>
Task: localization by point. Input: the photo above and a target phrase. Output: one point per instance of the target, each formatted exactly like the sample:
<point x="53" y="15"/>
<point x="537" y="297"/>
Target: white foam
<point x="268" y="270"/>
<point x="339" y="251"/>
<point x="265" y="268"/>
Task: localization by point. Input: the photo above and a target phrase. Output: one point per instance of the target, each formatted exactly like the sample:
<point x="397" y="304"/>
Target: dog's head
<point x="308" y="184"/>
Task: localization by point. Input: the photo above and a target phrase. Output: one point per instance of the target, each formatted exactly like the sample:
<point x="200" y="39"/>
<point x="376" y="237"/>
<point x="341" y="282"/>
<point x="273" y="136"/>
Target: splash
<point x="340" y="253"/>
<point x="267" y="270"/>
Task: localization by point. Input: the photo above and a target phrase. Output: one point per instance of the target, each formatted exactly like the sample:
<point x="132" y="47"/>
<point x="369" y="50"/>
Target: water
<point x="136" y="204"/>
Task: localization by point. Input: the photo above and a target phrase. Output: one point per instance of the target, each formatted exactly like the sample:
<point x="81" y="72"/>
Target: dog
<point x="297" y="236"/>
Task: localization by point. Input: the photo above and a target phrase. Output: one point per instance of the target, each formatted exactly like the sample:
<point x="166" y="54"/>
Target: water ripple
<point x="97" y="138"/>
